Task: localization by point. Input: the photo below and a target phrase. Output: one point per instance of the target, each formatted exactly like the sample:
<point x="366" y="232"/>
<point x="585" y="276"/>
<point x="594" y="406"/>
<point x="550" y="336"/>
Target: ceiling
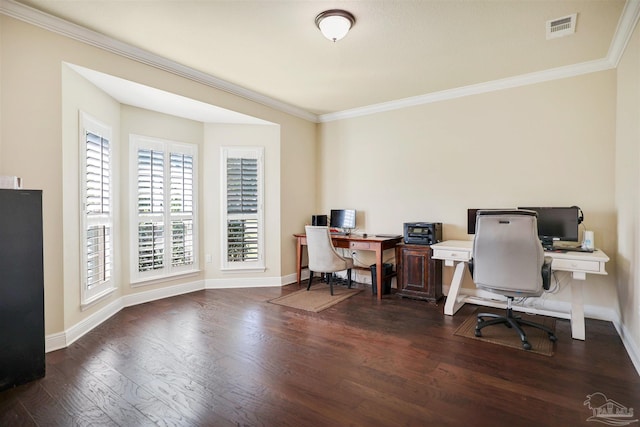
<point x="396" y="50"/>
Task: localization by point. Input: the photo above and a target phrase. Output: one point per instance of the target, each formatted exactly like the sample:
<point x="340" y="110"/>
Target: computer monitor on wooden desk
<point x="344" y="219"/>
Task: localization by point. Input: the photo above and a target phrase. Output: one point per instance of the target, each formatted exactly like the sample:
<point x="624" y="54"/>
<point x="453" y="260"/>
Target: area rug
<point x="318" y="298"/>
<point x="501" y="335"/>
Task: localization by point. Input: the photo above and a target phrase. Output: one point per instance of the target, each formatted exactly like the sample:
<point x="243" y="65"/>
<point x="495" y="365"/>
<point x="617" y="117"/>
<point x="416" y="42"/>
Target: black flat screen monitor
<point x="556" y="224"/>
<point x="471" y="218"/>
<point x="343" y="218"/>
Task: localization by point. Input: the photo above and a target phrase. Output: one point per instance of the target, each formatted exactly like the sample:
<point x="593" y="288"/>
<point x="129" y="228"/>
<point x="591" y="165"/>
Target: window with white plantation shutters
<point x="165" y="189"/>
<point x="242" y="207"/>
<point x="181" y="209"/>
<point x="96" y="209"/>
<point x="150" y="209"/>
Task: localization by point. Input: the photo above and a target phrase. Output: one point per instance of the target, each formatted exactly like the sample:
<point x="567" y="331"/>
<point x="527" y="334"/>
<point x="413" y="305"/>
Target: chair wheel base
<point x="513" y="322"/>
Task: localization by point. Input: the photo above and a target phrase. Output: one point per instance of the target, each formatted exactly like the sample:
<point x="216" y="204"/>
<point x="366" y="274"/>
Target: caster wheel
<point x="553" y="338"/>
<point x="478" y="333"/>
<point x="526" y="345"/>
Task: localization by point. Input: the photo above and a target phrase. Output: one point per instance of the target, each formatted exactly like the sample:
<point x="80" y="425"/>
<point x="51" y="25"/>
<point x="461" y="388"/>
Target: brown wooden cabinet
<point x="419" y="276"/>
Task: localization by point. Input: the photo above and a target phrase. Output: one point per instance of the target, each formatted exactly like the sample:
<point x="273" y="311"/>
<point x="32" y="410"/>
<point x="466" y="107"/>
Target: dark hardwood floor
<point x="228" y="357"/>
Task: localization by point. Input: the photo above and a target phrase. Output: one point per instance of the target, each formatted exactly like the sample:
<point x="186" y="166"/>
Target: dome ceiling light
<point x="334" y="24"/>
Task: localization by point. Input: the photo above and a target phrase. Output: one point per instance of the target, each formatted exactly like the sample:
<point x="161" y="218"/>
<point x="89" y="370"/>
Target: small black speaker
<point x="319" y="220"/>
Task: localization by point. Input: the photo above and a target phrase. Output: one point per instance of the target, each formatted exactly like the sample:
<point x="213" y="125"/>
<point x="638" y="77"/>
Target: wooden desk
<point x="356" y="243"/>
<point x="579" y="264"/>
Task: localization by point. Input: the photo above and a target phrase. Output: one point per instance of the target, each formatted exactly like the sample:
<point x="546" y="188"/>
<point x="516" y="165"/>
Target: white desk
<point x="458" y="252"/>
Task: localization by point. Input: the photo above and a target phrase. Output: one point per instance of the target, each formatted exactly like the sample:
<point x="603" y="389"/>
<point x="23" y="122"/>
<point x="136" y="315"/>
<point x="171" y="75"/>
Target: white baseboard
<point x="238" y="282"/>
<point x="633" y="349"/>
<point x="55" y="342"/>
<point x="293" y="278"/>
<point x="160" y="293"/>
<point x="85" y="325"/>
<point x="69" y="336"/>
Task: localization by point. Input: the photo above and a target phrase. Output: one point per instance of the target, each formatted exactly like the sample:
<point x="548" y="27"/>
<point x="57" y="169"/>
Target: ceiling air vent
<point x="561" y="26"/>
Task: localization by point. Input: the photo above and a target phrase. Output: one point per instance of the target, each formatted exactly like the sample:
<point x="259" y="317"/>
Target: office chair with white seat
<point x="323" y="257"/>
<point x="508" y="259"/>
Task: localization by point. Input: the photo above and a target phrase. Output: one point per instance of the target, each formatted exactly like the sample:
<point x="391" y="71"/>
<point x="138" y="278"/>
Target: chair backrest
<point x="323" y="257"/>
<point x="507" y="253"/>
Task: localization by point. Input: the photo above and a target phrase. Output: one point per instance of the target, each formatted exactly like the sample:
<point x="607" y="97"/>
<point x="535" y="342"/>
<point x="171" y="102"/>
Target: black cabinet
<point x="419" y="276"/>
<point x="21" y="288"/>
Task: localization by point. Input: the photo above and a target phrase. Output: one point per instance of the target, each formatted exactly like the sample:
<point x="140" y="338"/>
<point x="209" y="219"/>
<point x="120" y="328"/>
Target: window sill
<point x="160" y="279"/>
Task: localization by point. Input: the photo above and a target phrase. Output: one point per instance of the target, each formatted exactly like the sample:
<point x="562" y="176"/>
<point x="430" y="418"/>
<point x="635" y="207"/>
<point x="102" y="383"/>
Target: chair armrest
<point x="546" y="273"/>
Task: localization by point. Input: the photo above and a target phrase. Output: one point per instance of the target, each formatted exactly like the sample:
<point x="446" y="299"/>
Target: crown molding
<point x="491" y="86"/>
<point x="624" y="31"/>
<point x="56" y="25"/>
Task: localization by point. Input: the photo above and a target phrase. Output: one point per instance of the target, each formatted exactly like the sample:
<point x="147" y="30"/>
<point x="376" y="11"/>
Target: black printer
<point x="422" y="233"/>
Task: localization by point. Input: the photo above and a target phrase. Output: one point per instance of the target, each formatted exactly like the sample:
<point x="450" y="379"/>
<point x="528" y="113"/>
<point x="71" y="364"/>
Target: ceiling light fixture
<point x="335" y="23"/>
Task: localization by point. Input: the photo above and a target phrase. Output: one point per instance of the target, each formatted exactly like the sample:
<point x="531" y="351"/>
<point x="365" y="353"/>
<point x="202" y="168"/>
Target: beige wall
<point x="298" y="190"/>
<point x="32" y="144"/>
<point x="549" y="144"/>
<point x="627" y="193"/>
<point x="34" y="148"/>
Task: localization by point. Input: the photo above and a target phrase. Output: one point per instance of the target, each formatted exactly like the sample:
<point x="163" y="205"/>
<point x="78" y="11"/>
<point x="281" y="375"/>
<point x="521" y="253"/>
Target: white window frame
<point x="167" y="147"/>
<point x="242" y="152"/>
<point x="91" y="293"/>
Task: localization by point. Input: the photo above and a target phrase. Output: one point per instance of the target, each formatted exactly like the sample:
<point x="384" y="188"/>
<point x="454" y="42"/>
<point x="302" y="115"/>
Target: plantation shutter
<point x="182" y="250"/>
<point x="150" y="207"/>
<point x="96" y="205"/>
<point x="165" y="193"/>
<point x="97" y="190"/>
<point x="242" y="199"/>
<point x="243" y="189"/>
<point x="150" y="181"/>
<point x="242" y="186"/>
<point x="98" y="186"/>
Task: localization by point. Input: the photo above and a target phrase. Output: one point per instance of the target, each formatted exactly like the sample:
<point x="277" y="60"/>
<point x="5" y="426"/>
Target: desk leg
<point x="379" y="272"/>
<point x="577" y="310"/>
<point x="299" y="261"/>
<point x="452" y="304"/>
